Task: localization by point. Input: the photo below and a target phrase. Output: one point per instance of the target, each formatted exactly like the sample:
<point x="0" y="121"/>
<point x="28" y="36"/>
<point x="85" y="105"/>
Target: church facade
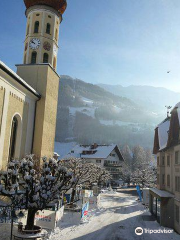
<point x="28" y="98"/>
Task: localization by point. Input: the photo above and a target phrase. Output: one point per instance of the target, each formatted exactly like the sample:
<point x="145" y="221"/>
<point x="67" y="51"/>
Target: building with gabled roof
<point x="165" y="199"/>
<point x="106" y="156"/>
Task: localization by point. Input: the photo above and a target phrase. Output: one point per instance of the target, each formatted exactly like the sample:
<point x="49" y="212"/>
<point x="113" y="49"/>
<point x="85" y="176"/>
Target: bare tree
<point x="145" y="176"/>
<point x="102" y="176"/>
<point x="84" y="173"/>
<point x="139" y="166"/>
<point x="127" y="165"/>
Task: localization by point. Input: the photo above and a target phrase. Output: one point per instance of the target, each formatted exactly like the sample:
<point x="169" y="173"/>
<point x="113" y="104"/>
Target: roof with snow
<point x="18" y="79"/>
<point x="161" y="193"/>
<point x="178" y="111"/>
<point x="163" y="129"/>
<point x="94" y="151"/>
<point x="167" y="132"/>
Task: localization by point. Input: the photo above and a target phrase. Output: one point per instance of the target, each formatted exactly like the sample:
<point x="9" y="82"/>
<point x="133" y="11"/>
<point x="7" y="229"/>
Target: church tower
<point x="39" y="67"/>
<point x="43" y="20"/>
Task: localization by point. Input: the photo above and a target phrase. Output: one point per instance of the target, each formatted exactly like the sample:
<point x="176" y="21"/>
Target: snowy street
<point x="120" y="214"/>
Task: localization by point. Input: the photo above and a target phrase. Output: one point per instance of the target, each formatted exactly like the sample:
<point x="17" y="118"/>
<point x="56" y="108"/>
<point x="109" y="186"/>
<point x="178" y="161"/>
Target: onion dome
<point x="59" y="5"/>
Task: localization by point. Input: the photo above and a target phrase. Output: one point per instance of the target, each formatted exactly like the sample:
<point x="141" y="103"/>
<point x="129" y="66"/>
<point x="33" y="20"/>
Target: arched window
<point x="12" y="146"/>
<point x="33" y="57"/>
<point x="36" y="27"/>
<point x="48" y="28"/>
<point x="56" y="35"/>
<point x="27" y="30"/>
<point x="45" y="58"/>
<point x="54" y="63"/>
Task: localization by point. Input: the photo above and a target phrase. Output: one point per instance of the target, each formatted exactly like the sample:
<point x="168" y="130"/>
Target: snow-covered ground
<point x="116" y="219"/>
<point x="87" y="101"/>
<point x="120" y="214"/>
<point x="90" y="111"/>
<point x="119" y="123"/>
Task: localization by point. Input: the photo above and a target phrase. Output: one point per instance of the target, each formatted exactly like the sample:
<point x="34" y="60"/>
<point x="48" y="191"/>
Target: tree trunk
<point x="73" y="196"/>
<point x="30" y="219"/>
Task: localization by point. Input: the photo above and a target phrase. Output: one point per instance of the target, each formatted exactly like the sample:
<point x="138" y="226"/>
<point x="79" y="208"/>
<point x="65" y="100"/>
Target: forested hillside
<point x="87" y="113"/>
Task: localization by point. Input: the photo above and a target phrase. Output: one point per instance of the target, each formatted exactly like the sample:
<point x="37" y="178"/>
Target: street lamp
<point x="13" y="217"/>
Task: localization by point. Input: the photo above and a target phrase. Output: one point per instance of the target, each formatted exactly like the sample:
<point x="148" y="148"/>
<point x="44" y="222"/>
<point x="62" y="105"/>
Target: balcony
<point x="110" y="164"/>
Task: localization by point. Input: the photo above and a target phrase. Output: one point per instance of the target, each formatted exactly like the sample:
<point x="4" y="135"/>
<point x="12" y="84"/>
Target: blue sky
<point x="127" y="42"/>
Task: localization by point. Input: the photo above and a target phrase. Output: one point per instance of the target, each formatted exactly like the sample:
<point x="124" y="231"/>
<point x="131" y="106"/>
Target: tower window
<point x="13" y="138"/>
<point x="48" y="28"/>
<point x="45" y="58"/>
<point x="33" y="57"/>
<point x="49" y="16"/>
<point x="37" y="14"/>
<point x="36" y="27"/>
<point x="56" y="35"/>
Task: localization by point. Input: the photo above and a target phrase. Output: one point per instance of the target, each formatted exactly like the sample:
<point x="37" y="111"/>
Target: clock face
<point x="35" y="43"/>
<point x="55" y="50"/>
<point x="47" y="46"/>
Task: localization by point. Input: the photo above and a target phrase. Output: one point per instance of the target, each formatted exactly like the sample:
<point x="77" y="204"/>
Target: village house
<point x="106" y="156"/>
<point x="165" y="199"/>
<point x="28" y="98"/>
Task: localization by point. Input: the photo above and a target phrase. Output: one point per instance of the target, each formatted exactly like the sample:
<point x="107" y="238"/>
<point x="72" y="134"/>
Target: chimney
<point x="94" y="146"/>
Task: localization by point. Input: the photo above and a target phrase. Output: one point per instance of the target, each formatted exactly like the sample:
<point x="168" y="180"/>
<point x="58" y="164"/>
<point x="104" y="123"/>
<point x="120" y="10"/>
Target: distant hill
<point x="152" y="98"/>
<point x="89" y="113"/>
<point x="73" y="90"/>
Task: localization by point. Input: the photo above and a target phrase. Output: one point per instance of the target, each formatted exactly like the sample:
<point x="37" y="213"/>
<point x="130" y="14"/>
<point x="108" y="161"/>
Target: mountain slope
<point x="73" y="89"/>
<point x="152" y="98"/>
<point x="87" y="113"/>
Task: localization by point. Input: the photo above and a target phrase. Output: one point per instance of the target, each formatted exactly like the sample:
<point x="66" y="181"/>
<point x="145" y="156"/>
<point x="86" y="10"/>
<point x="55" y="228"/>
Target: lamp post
<point x="13" y="217"/>
<point x="5" y="215"/>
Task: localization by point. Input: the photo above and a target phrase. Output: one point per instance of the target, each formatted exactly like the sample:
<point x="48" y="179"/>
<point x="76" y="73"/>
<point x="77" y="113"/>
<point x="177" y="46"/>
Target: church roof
<point x="59" y="5"/>
<point x="18" y="79"/>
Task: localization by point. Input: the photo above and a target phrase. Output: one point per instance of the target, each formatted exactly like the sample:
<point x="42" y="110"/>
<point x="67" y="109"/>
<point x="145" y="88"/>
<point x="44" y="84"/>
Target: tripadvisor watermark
<point x="140" y="231"/>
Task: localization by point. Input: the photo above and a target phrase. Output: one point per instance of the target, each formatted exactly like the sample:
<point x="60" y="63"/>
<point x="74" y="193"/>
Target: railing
<point x="112" y="164"/>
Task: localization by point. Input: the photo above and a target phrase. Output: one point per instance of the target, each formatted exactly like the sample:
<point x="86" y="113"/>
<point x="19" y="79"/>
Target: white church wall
<point x="13" y="90"/>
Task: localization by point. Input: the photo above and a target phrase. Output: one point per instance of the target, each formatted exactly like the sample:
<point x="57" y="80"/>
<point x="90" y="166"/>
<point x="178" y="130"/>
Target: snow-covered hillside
<point x="88" y="113"/>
